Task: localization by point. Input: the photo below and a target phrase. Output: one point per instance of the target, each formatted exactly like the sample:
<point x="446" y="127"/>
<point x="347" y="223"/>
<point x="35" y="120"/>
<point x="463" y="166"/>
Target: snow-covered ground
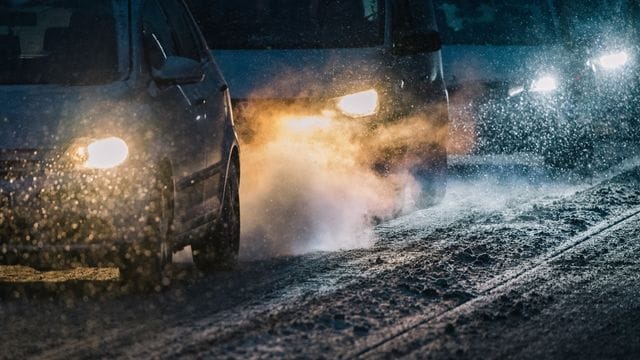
<point x="492" y="226"/>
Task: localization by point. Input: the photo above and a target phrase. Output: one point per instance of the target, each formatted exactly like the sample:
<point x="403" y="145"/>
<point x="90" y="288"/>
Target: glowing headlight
<point x="613" y="61"/>
<point x="103" y="153"/>
<point x="545" y="84"/>
<point x="359" y="104"/>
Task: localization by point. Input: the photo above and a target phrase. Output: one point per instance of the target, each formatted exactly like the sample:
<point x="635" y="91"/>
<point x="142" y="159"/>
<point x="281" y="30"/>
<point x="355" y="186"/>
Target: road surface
<point x="518" y="266"/>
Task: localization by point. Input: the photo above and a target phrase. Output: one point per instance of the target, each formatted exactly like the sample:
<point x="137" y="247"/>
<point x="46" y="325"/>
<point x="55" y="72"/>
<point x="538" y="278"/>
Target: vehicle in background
<point x="117" y="145"/>
<point x="504" y="74"/>
<point x="604" y="41"/>
<point x="374" y="63"/>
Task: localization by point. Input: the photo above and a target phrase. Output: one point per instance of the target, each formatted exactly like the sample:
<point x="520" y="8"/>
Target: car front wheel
<point x="219" y="249"/>
<point x="146" y="263"/>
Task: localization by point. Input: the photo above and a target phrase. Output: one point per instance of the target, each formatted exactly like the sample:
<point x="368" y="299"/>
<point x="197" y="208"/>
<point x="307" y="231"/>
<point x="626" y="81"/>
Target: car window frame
<point x="190" y="29"/>
<point x="167" y="49"/>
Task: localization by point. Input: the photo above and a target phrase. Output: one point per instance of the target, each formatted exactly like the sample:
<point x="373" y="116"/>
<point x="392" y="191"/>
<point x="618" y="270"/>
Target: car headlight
<point x="612" y="61"/>
<point x="544" y="84"/>
<point x="103" y="154"/>
<point x="360" y="104"/>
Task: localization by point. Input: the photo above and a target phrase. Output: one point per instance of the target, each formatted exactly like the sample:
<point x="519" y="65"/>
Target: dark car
<point x="604" y="40"/>
<point x="504" y="64"/>
<point x="372" y="63"/>
<point x="117" y="143"/>
<point x="520" y="92"/>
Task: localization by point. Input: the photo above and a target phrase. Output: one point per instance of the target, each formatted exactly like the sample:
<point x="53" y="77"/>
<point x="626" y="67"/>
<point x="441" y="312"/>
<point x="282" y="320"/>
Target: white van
<point x="373" y="62"/>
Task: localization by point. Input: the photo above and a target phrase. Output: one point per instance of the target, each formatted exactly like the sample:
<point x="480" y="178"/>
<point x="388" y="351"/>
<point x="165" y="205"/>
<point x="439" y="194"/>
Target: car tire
<point x="219" y="248"/>
<point x="146" y="264"/>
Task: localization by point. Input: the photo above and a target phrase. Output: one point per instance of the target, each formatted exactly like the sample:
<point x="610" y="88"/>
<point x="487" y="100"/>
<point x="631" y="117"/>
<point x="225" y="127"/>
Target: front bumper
<point x="612" y="103"/>
<point x="488" y="120"/>
<point x="57" y="218"/>
<point x="383" y="141"/>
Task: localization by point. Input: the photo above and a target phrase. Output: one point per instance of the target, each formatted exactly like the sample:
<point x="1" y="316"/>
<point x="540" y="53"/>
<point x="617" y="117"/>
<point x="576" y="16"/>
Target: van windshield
<point x="70" y="42"/>
<point x="496" y="22"/>
<point x="290" y="24"/>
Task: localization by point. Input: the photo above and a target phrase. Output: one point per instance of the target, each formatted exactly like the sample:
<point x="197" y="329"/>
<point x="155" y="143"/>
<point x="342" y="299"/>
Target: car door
<point x="208" y="106"/>
<point x="178" y="115"/>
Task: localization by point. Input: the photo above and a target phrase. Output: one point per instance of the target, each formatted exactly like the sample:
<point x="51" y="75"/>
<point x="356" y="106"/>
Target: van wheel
<point x="433" y="186"/>
<point x="219" y="249"/>
<point x="432" y="179"/>
<point x="146" y="264"/>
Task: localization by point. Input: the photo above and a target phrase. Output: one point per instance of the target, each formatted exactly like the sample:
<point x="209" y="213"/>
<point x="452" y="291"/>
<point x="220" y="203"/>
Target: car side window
<point x="159" y="42"/>
<point x="180" y="21"/>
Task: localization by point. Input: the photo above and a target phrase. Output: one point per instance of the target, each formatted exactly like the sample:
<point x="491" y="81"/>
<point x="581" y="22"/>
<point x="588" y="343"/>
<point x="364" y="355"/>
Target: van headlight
<point x="360" y="104"/>
<point x="102" y="154"/>
<point x="544" y="84"/>
<point x="611" y="61"/>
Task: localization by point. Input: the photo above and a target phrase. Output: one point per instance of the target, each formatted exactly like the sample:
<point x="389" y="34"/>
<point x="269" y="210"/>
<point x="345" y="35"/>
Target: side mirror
<point x="413" y="43"/>
<point x="178" y="70"/>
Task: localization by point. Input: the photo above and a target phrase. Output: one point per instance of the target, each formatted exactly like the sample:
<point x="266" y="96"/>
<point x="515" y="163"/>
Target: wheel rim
<point x="165" y="224"/>
<point x="231" y="217"/>
<point x="234" y="213"/>
<point x="219" y="249"/>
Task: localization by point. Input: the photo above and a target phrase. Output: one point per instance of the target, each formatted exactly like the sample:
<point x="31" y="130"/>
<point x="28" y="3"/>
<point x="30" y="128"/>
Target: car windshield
<point x="292" y="24"/>
<point x="71" y="42"/>
<point x="498" y="22"/>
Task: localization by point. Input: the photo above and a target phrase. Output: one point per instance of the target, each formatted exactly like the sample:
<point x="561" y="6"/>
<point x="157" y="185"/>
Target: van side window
<point x="423" y="14"/>
<point x="401" y="17"/>
<point x="413" y="15"/>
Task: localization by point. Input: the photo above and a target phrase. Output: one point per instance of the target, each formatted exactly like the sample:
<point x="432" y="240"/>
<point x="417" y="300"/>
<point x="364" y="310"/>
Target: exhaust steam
<point x="317" y="183"/>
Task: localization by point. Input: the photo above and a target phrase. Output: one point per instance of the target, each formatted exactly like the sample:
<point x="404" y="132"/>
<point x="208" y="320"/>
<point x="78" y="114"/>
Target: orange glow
<point x="307" y="123"/>
<point x="314" y="182"/>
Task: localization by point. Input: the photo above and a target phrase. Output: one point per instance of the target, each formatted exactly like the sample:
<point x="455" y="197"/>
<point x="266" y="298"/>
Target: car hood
<point x="499" y="64"/>
<point x="306" y="73"/>
<point x="45" y="116"/>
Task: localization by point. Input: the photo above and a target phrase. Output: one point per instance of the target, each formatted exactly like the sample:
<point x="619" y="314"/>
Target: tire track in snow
<point x="497" y="286"/>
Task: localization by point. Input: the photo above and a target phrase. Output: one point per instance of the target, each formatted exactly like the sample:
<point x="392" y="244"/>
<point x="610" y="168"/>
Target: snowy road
<point x="507" y="266"/>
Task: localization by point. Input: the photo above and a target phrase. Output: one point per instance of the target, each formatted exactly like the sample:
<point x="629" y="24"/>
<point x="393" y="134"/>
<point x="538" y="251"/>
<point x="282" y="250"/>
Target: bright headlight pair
<point x="102" y="154"/>
<point x="360" y="104"/>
